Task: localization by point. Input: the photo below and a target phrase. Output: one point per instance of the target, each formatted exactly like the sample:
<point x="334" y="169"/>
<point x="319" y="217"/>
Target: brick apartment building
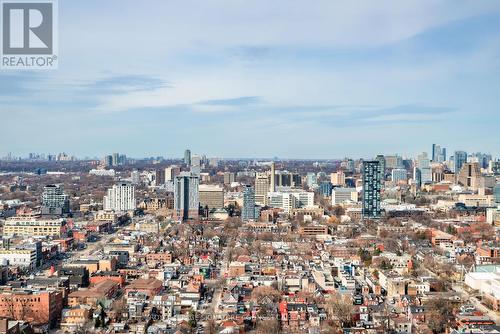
<point x="37" y="307"/>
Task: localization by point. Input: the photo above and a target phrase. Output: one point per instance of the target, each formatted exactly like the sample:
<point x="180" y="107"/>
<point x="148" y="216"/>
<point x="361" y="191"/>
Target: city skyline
<point x="294" y="80"/>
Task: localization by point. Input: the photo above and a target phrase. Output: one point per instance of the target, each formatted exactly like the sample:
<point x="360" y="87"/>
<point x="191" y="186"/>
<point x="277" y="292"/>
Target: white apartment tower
<point x="120" y="198"/>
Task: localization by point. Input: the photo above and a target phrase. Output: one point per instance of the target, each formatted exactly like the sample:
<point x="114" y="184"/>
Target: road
<point x="92" y="248"/>
<point x="212" y="311"/>
<point x="466" y="296"/>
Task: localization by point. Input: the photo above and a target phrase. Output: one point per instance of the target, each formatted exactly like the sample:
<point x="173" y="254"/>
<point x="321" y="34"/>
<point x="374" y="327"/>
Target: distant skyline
<point x="259" y="158"/>
<point x="261" y="79"/>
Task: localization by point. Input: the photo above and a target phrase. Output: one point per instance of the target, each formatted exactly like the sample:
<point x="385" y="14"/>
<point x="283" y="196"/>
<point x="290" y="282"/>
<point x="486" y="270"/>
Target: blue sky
<point x="286" y="78"/>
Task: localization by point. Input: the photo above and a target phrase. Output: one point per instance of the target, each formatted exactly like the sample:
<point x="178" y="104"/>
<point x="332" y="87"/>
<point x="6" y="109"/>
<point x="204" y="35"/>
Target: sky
<point x="285" y="78"/>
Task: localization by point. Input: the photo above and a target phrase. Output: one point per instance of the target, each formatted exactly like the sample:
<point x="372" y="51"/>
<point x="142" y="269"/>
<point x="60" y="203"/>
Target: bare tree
<point x="340" y="309"/>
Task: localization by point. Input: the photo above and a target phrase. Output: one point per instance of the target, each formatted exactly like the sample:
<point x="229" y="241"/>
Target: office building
<point x="496" y="193"/>
<point x="121" y="197"/>
<point x="438" y="153"/>
<point x="392" y="161"/>
<point x="291" y="199"/>
<point x="344" y="195"/>
<point x="325" y="189"/>
<point x="481" y="158"/>
<point x="248" y="209"/>
<point x="417" y="177"/>
<point x="115" y="159"/>
<point x="187" y="157"/>
<point x="272" y="181"/>
<point x="186" y="196"/>
<point x="211" y="196"/>
<point x="338" y="178"/>
<point x="108" y="161"/>
<point x="348" y="165"/>
<point x="30" y="225"/>
<point x="459" y="159"/>
<point x="311" y="180"/>
<point x="284" y="179"/>
<point x="371" y="189"/>
<point x="261" y="188"/>
<point x="424" y="165"/>
<point x="399" y="175"/>
<point x="54" y="200"/>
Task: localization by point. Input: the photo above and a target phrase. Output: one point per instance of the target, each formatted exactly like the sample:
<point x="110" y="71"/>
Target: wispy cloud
<point x="123" y="84"/>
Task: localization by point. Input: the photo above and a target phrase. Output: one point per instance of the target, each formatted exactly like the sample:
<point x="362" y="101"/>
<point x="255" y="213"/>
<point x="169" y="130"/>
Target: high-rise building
<point x="211" y="196"/>
<point x="311" y="180"/>
<point x="417" y="177"/>
<point x="261" y="188"/>
<point x="121" y="197"/>
<point x="159" y="177"/>
<point x="108" y="160"/>
<point x="286" y="179"/>
<point x="171" y="172"/>
<point x="424" y="165"/>
<point x="229" y="178"/>
<point x="196" y="161"/>
<point x="494" y="167"/>
<point x="325" y="188"/>
<point x="187" y="157"/>
<point x="248" y="210"/>
<point x="272" y="181"/>
<point x="393" y="161"/>
<point x="381" y="159"/>
<point x="116" y="159"/>
<point x="135" y="177"/>
<point x="481" y="158"/>
<point x="398" y="175"/>
<point x="470" y="175"/>
<point x="338" y="178"/>
<point x="496" y="193"/>
<point x="343" y="195"/>
<point x="459" y="159"/>
<point x="371" y="189"/>
<point x="438" y="153"/>
<point x="186" y="196"/>
<point x="54" y="200"/>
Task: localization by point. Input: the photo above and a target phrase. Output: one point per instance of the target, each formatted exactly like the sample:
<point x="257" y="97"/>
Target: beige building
<point x="261" y="188"/>
<point x="33" y="226"/>
<point x="476" y="200"/>
<point x="338" y="178"/>
<point x="470" y="176"/>
<point x="211" y="196"/>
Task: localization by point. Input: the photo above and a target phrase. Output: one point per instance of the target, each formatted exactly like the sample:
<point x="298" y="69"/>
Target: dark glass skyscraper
<point x="187" y="157"/>
<point x="248" y="210"/>
<point x="186" y="196"/>
<point x="459" y="159"/>
<point x="371" y="189"/>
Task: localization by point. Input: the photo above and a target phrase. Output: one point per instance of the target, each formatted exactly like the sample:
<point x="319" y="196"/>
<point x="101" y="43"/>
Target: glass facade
<point x="371" y="189"/>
